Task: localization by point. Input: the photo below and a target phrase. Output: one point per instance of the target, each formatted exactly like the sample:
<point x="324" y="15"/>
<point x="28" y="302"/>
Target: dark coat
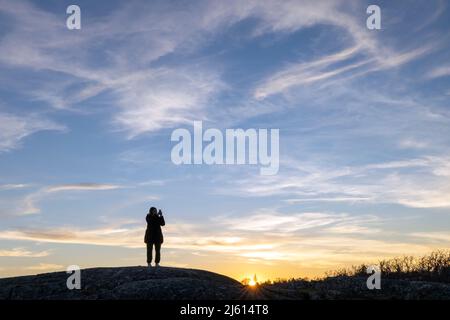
<point x="153" y="234"/>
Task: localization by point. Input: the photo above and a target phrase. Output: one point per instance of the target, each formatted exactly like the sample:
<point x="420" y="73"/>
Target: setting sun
<point x="253" y="281"/>
<point x="250" y="281"/>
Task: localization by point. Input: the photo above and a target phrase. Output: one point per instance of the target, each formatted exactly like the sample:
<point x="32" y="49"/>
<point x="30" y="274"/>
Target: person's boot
<point x="156" y="265"/>
<point x="149" y="264"/>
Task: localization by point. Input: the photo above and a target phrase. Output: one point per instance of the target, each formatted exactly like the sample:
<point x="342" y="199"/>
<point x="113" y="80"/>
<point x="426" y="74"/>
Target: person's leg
<point x="158" y="252"/>
<point x="149" y="252"/>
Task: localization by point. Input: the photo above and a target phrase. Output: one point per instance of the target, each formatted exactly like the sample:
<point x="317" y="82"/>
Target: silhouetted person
<point x="153" y="235"/>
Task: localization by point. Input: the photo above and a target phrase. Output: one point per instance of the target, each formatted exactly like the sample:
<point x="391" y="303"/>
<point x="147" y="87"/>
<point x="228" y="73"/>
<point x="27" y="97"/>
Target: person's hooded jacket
<point x="154" y="234"/>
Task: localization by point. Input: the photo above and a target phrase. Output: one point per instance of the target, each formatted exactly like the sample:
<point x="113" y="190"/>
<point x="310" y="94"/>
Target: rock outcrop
<point x="160" y="283"/>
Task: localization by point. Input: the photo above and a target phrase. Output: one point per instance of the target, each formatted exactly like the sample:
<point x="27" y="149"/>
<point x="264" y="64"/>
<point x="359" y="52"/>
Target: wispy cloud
<point x="437" y="237"/>
<point x="148" y="98"/>
<point x="28" y="204"/>
<point x="16" y="128"/>
<point x="285" y="223"/>
<point x="272" y="221"/>
<point x="413" y="144"/>
<point x="45" y="267"/>
<point x="101" y="236"/>
<point x="441" y="71"/>
<point x="306" y="73"/>
<point x="132" y="237"/>
<point x="325" y="68"/>
<point x="81" y="187"/>
<point x="420" y="183"/>
<point x="163" y="99"/>
<point x="22" y="252"/>
<point x="13" y="186"/>
<point x="322" y="241"/>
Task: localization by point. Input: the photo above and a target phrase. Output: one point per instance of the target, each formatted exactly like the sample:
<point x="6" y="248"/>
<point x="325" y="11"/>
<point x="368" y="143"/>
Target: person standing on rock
<point x="153" y="235"/>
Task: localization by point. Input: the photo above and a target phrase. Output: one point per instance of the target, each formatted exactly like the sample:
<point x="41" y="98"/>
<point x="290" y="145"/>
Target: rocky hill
<point x="125" y="283"/>
<point x="165" y="283"/>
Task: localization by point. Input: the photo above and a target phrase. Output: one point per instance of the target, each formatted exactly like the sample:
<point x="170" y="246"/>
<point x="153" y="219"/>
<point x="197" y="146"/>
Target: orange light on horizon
<point x="250" y="281"/>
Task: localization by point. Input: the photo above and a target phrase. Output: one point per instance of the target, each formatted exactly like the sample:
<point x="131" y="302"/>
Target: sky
<point x="86" y="118"/>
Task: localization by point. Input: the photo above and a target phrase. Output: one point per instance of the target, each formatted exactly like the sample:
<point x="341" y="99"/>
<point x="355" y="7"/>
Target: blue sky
<point x="86" y="118"/>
